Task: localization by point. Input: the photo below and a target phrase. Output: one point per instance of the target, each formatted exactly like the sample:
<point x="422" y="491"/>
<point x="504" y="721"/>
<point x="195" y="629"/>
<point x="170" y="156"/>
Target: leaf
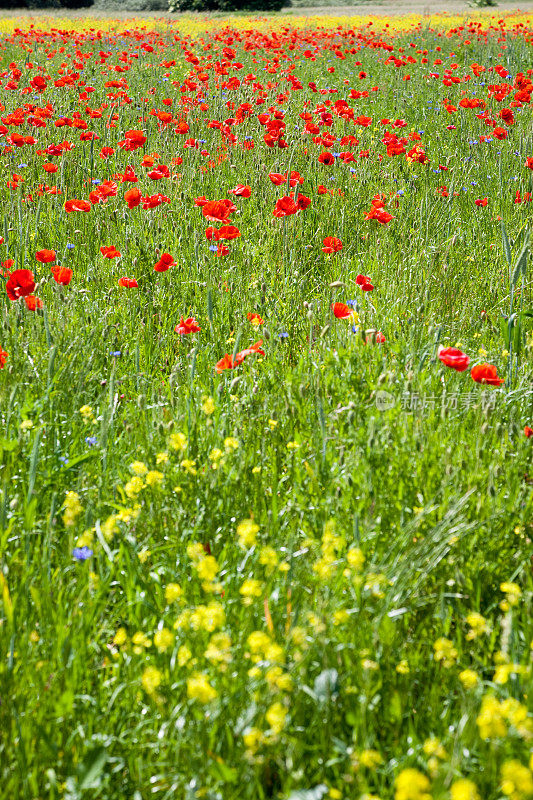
<point x="92" y="768"/>
<point x="326" y="684"/>
<point x="504" y="330"/>
<point x="520" y="267"/>
<point x="316" y="793"/>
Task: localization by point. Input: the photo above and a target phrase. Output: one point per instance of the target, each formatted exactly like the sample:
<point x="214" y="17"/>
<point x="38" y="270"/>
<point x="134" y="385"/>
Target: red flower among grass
<point x="453" y="358"/>
<point x="62" y="275"/>
<point x="21" y="283"/>
<point x="165" y="262"/>
<point x="331" y="245"/>
<point x="486" y="373"/>
<point x="228" y="362"/>
<point x="128" y="283"/>
<point x="45" y="256"/>
<point x="110" y="251"/>
<point x="186" y="326"/>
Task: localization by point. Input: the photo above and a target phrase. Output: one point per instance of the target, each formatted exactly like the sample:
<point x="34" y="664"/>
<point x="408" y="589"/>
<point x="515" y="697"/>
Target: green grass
<point x="378" y="531"/>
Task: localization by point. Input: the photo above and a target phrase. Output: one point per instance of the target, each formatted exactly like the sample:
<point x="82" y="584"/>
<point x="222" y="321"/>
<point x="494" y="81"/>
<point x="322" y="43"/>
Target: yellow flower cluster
<point x="495" y="716"/>
<point x="411" y="784"/>
<point x="205" y="565"/>
<point x="517" y="780"/>
<point x="445" y="652"/>
<point x="331" y="546"/>
<point x="73" y="509"/>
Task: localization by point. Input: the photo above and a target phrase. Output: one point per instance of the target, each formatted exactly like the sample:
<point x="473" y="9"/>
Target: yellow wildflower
<point x="138" y="468"/>
<point x="411" y="784"/>
<point x="199" y="688"/>
<point x="173" y="592"/>
<point x="163" y="639"/>
<point x="469" y="678"/>
<point x="177" y="441"/>
<point x="276" y="717"/>
<point x="247" y="531"/>
<point x="151" y="679"/>
<point x="445" y="652"/>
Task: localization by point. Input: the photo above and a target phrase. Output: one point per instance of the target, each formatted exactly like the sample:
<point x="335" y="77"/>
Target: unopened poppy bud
<point x="337" y="285"/>
<point x="324" y="330"/>
<point x="263" y="287"/>
<point x="234" y="383"/>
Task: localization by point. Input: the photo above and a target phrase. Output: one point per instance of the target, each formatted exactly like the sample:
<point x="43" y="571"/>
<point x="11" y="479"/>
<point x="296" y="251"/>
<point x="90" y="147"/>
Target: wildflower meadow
<point x="266" y="408"/>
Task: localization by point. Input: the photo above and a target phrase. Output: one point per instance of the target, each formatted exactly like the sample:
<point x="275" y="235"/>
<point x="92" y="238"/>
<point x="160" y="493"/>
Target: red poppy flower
<point x="165" y="262"/>
<point x="482" y="202"/>
<point x="211" y="233"/>
<point x="45" y="256"/>
<point x="364" y="282"/>
<point x="217" y="210"/>
<point x="326" y="158"/>
<point x="229" y="363"/>
<point x="341" y="310"/>
<point x="128" y="283"/>
<point x="331" y="245"/>
<point x="228" y="232"/>
<point x="277" y="178"/>
<point x="255" y="319"/>
<point x="186" y="326"/>
<point x="110" y="251"/>
<point x="133" y="197"/>
<point x="33" y="303"/>
<point x="303" y="202"/>
<point x="154" y="200"/>
<point x="486" y="373"/>
<point x="62" y="275"/>
<point x="3" y="358"/>
<point x="529" y="162"/>
<point x="241" y="191"/>
<point x="285" y="207"/>
<point x="77" y="205"/>
<point x="380" y="215"/>
<point x="21" y="283"/>
<point x="134" y="139"/>
<point x="528" y="432"/>
<point x="454" y="358"/>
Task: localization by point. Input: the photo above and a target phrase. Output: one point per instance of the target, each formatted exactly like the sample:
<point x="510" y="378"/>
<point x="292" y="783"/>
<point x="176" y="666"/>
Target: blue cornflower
<point x="82" y="553"/>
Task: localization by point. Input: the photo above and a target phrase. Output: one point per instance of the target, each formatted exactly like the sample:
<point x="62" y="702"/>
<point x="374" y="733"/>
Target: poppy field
<point x="266" y="399"/>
